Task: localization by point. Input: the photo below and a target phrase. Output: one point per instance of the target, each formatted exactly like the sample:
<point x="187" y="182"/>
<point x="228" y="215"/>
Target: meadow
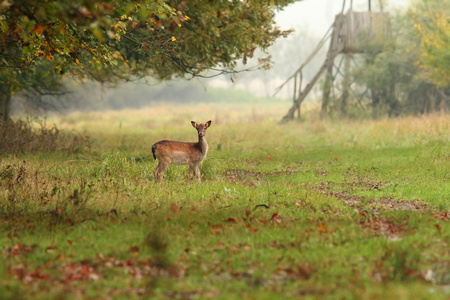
<point x="316" y="209"/>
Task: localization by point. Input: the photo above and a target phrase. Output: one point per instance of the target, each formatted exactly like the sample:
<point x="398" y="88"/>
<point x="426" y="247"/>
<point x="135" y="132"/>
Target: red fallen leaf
<point x="18" y="270"/>
<point x="335" y="159"/>
<point x="134" y="249"/>
<point x="133" y="272"/>
<point x="247" y="212"/>
<point x="322" y="228"/>
<point x="16" y="249"/>
<point x="438" y="227"/>
<point x="70" y="242"/>
<point x="37" y="275"/>
<point x="220" y="244"/>
<point x="215" y="230"/>
<point x="231" y="220"/>
<point x="361" y="213"/>
<point x="186" y="250"/>
<point x="174" y="208"/>
<point x="269" y="157"/>
<point x="275" y="218"/>
<point x="252" y="230"/>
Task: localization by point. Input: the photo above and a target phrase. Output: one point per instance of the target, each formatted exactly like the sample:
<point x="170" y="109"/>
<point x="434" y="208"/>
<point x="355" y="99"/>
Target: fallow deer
<point x="180" y="153"/>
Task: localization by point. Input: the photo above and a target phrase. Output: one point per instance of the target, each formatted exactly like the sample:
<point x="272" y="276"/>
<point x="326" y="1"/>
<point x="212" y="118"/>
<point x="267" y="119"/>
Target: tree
<point x="410" y="73"/>
<point x="111" y="40"/>
<point x="432" y="23"/>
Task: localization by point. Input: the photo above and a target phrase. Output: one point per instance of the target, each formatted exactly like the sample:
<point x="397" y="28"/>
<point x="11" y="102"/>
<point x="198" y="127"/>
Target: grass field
<point x="313" y="209"/>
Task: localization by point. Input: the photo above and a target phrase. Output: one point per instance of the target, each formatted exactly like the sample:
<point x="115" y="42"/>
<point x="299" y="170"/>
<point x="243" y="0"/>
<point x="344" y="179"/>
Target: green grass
<point x="326" y="210"/>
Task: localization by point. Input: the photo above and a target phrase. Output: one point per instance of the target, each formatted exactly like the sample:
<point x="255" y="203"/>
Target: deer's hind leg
<point x="158" y="173"/>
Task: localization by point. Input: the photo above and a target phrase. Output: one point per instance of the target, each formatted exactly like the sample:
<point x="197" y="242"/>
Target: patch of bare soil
<point x="375" y="205"/>
<point x="251" y="178"/>
<point x="380" y="226"/>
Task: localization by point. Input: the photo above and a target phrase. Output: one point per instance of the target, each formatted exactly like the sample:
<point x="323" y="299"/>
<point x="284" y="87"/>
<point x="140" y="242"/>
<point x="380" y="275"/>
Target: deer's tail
<point x="153" y="151"/>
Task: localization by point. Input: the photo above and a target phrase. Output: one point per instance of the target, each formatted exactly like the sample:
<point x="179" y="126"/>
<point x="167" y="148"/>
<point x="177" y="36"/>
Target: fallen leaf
<point x="322" y="228"/>
<point x="174" y="208"/>
<point x="252" y="230"/>
<point x="51" y="249"/>
<point x="134" y="249"/>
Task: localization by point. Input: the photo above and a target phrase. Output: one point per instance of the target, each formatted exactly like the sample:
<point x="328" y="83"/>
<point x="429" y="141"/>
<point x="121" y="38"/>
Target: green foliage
<point x="432" y="23"/>
<point x="116" y="39"/>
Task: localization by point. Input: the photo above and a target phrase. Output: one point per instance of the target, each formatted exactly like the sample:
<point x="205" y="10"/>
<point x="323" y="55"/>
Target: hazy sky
<point x="318" y="15"/>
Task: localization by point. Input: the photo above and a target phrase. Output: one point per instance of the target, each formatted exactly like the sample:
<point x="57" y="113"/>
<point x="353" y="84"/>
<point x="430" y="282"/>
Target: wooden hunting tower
<point x="349" y="34"/>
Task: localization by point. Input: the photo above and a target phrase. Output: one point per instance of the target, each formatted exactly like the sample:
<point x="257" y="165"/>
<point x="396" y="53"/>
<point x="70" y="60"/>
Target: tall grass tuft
<point x="23" y="136"/>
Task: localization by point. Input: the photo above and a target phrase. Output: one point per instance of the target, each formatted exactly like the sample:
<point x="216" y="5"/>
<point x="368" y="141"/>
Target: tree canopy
<point x="103" y="39"/>
<point x="110" y="40"/>
<point x="432" y="23"/>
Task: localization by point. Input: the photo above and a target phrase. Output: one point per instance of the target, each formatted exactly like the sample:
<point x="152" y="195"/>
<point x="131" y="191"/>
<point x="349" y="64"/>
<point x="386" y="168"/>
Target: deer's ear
<point x="194" y="124"/>
<point x="208" y="123"/>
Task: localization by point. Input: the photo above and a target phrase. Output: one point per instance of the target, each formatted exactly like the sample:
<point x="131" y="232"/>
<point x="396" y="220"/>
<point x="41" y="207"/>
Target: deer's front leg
<point x="191" y="171"/>
<point x="197" y="172"/>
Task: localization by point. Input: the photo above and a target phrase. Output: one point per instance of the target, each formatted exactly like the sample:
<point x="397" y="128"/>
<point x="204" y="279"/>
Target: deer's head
<point x="201" y="128"/>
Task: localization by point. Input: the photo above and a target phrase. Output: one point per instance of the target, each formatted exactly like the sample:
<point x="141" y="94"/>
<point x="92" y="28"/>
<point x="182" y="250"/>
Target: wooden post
<point x="345" y="85"/>
<point x="326" y="92"/>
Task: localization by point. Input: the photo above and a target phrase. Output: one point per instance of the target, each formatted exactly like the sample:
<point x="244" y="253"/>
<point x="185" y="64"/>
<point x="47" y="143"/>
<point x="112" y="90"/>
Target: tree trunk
<point x="394" y="104"/>
<point x="5" y="102"/>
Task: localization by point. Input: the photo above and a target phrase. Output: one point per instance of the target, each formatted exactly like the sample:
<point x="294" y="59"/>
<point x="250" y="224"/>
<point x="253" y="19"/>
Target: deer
<point x="181" y="153"/>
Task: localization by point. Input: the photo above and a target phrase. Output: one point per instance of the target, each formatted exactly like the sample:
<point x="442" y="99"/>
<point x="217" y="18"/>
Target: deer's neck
<point x="203" y="144"/>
